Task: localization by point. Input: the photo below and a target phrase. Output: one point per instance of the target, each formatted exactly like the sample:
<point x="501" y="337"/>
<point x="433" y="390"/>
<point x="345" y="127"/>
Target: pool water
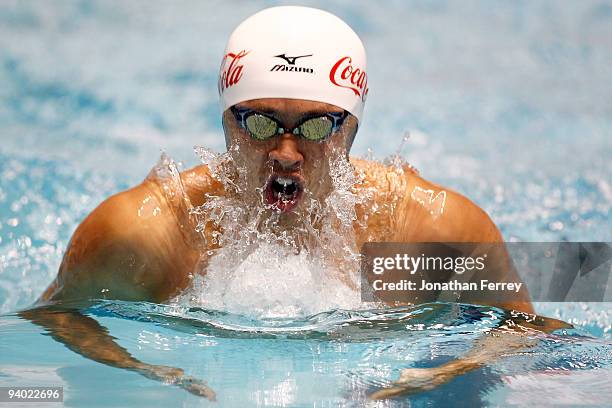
<point x="334" y="358"/>
<point x="506" y="103"/>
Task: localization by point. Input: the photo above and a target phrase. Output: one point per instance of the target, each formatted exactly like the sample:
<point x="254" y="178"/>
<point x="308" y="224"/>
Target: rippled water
<point x="332" y="358"/>
<point x="506" y="103"/>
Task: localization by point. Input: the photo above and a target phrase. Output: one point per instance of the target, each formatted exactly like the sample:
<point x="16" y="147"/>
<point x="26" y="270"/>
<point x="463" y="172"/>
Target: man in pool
<point x="293" y="85"/>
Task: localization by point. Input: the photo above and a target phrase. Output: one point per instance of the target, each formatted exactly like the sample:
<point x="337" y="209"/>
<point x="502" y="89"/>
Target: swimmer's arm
<point x="467" y="222"/>
<point x="457" y="219"/>
<point x="432" y="213"/>
<point x="130" y="248"/>
<point x="518" y="334"/>
<point x="85" y="336"/>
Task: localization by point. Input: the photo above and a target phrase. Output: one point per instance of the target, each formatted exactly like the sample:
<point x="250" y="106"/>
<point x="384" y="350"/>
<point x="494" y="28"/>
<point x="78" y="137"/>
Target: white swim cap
<point x="294" y="52"/>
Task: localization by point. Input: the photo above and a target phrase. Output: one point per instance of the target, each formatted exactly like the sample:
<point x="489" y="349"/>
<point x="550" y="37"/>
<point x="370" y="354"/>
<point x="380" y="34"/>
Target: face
<point x="286" y="171"/>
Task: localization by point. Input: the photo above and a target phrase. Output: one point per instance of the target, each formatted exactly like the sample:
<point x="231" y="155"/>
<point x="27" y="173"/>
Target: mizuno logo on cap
<point x="291" y="60"/>
<point x="290" y="66"/>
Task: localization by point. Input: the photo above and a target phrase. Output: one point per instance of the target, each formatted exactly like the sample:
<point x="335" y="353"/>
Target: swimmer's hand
<point x="415" y="380"/>
<point x="176" y="376"/>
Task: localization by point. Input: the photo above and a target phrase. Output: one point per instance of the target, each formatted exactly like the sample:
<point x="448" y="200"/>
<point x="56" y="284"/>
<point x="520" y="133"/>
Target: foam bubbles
<point x="271" y="282"/>
<point x="262" y="265"/>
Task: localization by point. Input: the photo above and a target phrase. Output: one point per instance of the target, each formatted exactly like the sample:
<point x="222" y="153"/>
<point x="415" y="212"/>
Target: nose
<point x="286" y="153"/>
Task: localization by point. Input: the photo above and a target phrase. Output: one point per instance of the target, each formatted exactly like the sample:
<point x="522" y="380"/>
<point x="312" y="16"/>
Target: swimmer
<point x="293" y="84"/>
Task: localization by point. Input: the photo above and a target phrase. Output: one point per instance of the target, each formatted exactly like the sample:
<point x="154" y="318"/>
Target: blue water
<point x="507" y="103"/>
<point x="334" y="358"/>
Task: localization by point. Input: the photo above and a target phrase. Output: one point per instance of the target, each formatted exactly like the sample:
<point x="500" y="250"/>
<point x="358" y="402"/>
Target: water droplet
<point x="555" y="226"/>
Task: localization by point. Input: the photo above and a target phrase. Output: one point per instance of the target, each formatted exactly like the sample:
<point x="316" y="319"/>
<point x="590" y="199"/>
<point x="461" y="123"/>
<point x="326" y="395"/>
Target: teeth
<point x="284" y="181"/>
<point x="284" y="188"/>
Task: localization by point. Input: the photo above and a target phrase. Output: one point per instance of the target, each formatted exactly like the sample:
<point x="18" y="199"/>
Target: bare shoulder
<point x="197" y="182"/>
<point x="450" y="215"/>
<point x="426" y="211"/>
<point x="124" y="249"/>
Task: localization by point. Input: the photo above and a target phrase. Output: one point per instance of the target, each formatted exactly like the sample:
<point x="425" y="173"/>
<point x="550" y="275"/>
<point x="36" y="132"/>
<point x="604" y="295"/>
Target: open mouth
<point x="283" y="193"/>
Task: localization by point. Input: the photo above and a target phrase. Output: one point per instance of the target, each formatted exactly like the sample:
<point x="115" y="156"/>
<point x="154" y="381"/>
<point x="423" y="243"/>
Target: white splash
<point x="271" y="282"/>
<point x="262" y="269"/>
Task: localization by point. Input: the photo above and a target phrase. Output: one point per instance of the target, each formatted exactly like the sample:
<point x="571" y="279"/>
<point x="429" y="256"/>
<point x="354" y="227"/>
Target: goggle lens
<point x="261" y="127"/>
<point x="316" y="129"/>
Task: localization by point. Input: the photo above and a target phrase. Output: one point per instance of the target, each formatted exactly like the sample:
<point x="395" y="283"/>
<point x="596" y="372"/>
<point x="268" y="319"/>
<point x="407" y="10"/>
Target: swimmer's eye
<point x="261" y="127"/>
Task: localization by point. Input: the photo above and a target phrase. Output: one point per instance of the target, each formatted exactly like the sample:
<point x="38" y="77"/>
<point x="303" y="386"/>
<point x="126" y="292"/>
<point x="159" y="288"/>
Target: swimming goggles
<point x="313" y="128"/>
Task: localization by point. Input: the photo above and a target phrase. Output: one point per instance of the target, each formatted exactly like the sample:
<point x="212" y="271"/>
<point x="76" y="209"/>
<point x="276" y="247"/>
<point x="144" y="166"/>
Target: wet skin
<point x="136" y="257"/>
<point x="121" y="253"/>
